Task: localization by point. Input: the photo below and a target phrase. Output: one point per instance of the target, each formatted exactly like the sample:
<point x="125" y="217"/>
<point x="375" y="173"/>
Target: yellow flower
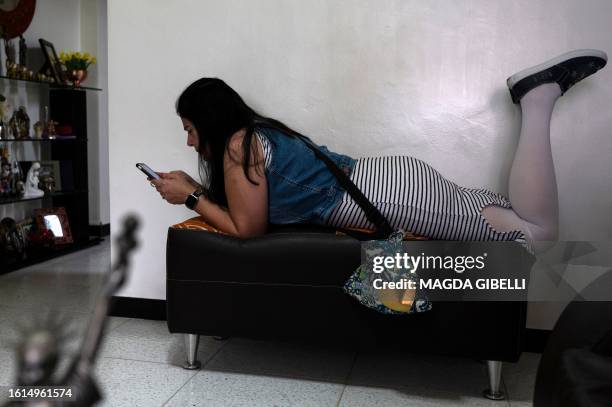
<point x="77" y="55"/>
<point x="94" y="60"/>
<point x="86" y="56"/>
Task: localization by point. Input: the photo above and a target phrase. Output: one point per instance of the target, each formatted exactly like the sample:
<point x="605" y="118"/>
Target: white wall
<point x="364" y="77"/>
<point x="94" y="40"/>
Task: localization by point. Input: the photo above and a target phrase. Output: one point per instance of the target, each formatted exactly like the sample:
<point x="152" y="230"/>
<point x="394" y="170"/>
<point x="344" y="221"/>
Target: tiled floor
<point x="140" y="362"/>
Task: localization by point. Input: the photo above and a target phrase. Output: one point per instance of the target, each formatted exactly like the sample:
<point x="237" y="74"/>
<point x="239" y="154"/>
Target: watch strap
<point x="192" y="199"/>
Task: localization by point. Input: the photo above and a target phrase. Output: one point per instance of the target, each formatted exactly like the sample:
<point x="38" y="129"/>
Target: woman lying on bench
<point x="260" y="171"/>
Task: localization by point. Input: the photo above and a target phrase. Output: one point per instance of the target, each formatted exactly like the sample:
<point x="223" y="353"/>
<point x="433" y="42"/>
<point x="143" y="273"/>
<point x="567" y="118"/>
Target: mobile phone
<point x="147" y="170"/>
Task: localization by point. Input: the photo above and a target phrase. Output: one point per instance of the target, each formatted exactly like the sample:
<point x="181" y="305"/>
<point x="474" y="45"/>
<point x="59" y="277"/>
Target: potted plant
<point x="76" y="65"/>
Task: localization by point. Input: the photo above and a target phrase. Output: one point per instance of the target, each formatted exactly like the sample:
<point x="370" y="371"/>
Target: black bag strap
<point x="383" y="228"/>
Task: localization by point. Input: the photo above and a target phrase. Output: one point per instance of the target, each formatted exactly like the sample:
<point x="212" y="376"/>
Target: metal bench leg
<point x="191" y="346"/>
<point x="494" y="391"/>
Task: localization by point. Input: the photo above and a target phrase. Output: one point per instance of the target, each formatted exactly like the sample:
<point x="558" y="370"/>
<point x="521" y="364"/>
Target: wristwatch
<point x="192" y="199"/>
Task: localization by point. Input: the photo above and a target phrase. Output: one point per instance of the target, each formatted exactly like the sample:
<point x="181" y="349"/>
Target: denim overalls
<point x="301" y="189"/>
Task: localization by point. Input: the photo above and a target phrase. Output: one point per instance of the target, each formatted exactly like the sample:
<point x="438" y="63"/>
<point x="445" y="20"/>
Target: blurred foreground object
<point x="39" y="351"/>
<point x="576" y="366"/>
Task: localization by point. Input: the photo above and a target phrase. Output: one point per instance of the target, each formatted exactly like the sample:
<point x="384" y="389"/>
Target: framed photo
<point x="50" y="169"/>
<point x="52" y="63"/>
<point x="55" y="220"/>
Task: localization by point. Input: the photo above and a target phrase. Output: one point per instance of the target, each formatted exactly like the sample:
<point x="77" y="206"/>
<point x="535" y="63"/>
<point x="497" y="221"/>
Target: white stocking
<point x="532" y="186"/>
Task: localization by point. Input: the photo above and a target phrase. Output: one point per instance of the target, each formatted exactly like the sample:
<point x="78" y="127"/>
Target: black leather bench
<point x="287" y="285"/>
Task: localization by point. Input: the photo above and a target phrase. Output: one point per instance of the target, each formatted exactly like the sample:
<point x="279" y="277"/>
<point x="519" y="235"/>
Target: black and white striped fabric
<point x="267" y="150"/>
<point x="415" y="197"/>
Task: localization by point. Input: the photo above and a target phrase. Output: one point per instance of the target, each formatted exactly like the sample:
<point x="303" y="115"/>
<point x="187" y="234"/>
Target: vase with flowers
<point x="76" y="64"/>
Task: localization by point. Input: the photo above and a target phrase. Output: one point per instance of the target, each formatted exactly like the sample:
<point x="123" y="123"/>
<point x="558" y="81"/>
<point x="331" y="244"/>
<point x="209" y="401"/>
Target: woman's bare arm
<point x="247" y="212"/>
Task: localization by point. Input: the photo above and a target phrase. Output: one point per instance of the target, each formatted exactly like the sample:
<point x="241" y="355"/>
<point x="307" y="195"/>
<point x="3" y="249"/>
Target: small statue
<point x="51" y="132"/>
<point x="5" y="178"/>
<point x="9" y="52"/>
<point x="12" y="238"/>
<point x="6" y="174"/>
<point x="17" y="184"/>
<point x="19" y="188"/>
<point x="39" y="128"/>
<point x="13" y="127"/>
<point x="3" y="107"/>
<point x="48" y="183"/>
<point x="31" y="184"/>
<point x="23" y="51"/>
<point x="20" y="124"/>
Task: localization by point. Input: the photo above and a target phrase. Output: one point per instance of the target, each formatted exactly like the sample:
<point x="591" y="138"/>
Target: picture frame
<point x="52" y="62"/>
<point x="55" y="220"/>
<point x="51" y="168"/>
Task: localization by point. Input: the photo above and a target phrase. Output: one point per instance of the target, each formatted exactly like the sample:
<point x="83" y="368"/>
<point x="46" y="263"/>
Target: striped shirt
<point x="414" y="197"/>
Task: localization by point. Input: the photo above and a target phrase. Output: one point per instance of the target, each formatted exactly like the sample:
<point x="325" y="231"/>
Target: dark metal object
<point x="38" y="352"/>
<point x="23" y="51"/>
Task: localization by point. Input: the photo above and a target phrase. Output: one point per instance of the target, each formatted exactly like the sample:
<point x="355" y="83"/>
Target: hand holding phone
<point x="147" y="170"/>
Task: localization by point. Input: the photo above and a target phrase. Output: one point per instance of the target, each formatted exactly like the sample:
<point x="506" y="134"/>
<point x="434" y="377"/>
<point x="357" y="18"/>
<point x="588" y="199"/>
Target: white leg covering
<point x="533" y="187"/>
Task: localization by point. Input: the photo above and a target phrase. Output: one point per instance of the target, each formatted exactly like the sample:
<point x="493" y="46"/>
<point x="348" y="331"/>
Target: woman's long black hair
<point x="217" y="112"/>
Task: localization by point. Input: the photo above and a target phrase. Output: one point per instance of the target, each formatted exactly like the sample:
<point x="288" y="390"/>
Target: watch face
<point x="191" y="201"/>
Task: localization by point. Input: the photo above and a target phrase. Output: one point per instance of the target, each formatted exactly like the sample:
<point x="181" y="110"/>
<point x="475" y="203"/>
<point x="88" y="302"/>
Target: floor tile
<point x="54" y="277"/>
<point x="425" y="373"/>
<point x="43" y="295"/>
<point x="221" y="389"/>
<point x="8" y="370"/>
<point x="359" y="396"/>
<point x="116" y="322"/>
<point x="135" y="383"/>
<point x="283" y="360"/>
<point x="520" y="379"/>
<point x="145" y="340"/>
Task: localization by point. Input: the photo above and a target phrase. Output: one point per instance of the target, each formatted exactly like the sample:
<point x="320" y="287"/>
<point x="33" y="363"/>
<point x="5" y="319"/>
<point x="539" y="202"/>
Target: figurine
<point x="5" y="178"/>
<point x="12" y="238"/>
<point x="1" y="38"/>
<point x="6" y="174"/>
<point x="20" y="124"/>
<point x="9" y="51"/>
<point x="19" y="190"/>
<point x="17" y="184"/>
<point x="23" y="51"/>
<point x="3" y="128"/>
<point x="38" y="130"/>
<point x="48" y="183"/>
<point x="31" y="184"/>
<point x="51" y="129"/>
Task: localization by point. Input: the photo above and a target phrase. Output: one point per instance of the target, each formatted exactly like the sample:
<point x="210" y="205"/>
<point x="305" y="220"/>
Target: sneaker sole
<point x="519" y="76"/>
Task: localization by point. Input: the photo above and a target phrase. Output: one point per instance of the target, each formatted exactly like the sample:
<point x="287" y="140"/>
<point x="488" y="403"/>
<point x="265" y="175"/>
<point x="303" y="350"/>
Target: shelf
<point x="45" y="140"/>
<point x="4" y="201"/>
<point x="51" y="85"/>
<point x="67" y="193"/>
<point x="38" y="255"/>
